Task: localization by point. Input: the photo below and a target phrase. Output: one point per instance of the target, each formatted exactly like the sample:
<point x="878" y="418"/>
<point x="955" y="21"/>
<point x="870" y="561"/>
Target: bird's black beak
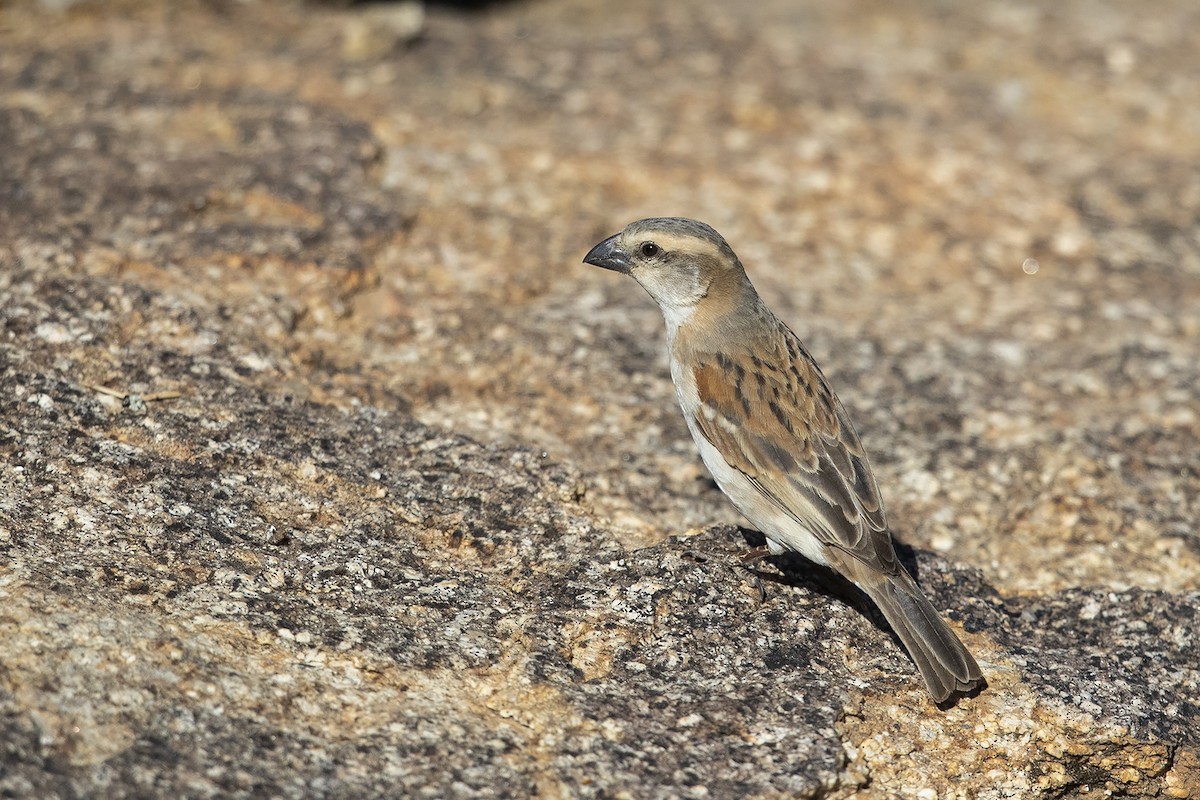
<point x="608" y="254"/>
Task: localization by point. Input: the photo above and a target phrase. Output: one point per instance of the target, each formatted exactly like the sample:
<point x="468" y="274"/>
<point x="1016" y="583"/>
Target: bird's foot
<point x="743" y="562"/>
<point x="754" y="555"/>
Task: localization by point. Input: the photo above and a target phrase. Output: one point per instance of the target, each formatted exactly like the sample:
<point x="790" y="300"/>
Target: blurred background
<point x="328" y="469"/>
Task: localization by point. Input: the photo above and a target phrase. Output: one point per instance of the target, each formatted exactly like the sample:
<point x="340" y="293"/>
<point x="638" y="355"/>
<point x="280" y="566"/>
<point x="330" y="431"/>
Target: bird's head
<point x="678" y="261"/>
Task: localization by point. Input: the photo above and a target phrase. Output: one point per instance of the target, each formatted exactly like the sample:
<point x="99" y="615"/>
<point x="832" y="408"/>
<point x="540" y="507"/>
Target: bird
<point x="773" y="434"/>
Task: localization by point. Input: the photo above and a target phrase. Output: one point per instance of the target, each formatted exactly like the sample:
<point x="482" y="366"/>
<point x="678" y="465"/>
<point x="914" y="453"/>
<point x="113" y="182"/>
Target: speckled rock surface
<point x="327" y="470"/>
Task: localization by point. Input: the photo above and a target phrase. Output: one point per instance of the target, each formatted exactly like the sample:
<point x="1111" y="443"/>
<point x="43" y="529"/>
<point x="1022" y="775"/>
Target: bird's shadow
<point x="797" y="571"/>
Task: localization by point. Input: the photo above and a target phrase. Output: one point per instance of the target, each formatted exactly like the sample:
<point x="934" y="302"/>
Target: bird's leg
<point x="753" y="555"/>
<point x="743" y="561"/>
<point x="747" y="560"/>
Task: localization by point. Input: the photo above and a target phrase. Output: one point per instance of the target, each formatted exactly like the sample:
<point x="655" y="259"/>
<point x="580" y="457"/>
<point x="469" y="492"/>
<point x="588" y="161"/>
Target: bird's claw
<point x="743" y="562"/>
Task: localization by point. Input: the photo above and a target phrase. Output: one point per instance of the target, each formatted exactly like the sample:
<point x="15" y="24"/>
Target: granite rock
<point x="327" y="470"/>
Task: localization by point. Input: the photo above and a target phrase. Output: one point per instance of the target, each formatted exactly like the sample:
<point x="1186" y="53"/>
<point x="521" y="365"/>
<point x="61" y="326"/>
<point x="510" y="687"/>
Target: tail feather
<point x="942" y="659"/>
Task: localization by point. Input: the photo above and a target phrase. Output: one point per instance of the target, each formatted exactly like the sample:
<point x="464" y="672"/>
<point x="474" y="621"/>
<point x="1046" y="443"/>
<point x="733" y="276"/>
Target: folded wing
<point x="776" y="420"/>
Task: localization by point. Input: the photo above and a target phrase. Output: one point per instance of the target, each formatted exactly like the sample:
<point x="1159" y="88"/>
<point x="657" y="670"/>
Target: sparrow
<point x="773" y="434"/>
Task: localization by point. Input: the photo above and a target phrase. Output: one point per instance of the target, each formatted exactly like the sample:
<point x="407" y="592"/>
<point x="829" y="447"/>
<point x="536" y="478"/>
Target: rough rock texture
<point x="327" y="470"/>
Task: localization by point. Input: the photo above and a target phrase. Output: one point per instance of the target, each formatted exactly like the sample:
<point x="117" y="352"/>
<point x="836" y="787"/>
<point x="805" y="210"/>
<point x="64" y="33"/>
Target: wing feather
<point x="774" y="419"/>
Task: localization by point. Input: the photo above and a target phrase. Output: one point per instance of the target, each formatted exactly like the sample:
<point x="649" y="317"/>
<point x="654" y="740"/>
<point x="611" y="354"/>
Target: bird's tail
<point x="941" y="657"/>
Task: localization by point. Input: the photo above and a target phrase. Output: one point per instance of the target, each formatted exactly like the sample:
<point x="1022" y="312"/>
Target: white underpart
<point x="676" y="317"/>
<point x="782" y="530"/>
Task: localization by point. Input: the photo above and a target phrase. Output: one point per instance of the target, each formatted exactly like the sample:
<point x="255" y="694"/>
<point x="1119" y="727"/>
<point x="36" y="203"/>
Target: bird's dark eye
<point x="649" y="249"/>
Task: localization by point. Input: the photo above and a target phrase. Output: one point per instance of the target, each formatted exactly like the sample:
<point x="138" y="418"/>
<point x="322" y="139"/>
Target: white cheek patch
<point x="677" y="290"/>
